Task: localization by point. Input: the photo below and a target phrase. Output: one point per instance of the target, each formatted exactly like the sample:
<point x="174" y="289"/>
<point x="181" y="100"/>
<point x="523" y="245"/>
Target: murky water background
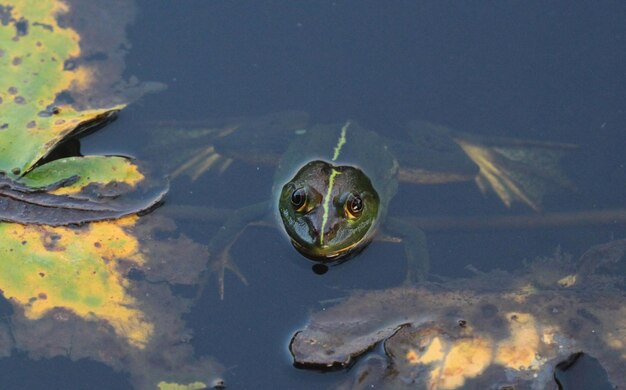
<point x="551" y="72"/>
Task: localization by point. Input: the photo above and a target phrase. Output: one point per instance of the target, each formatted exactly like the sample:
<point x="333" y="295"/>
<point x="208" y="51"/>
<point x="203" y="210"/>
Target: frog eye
<point x="353" y="206"/>
<point x="298" y="199"/>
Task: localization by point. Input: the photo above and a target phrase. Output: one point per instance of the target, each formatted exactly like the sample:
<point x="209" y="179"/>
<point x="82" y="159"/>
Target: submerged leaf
<point x="493" y="330"/>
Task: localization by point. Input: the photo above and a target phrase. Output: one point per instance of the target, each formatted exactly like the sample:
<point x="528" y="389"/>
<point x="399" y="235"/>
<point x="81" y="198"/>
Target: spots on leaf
<point x="21" y="27"/>
<point x="51" y="241"/>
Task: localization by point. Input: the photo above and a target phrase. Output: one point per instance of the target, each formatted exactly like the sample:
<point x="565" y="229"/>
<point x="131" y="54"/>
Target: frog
<point x="333" y="183"/>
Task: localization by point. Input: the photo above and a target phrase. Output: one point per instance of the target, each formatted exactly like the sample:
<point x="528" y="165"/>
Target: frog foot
<point x="203" y="162"/>
<point x="516" y="170"/>
<point x="222" y="263"/>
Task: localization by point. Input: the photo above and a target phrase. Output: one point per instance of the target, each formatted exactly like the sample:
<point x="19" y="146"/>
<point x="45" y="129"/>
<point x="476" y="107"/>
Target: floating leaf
<point x="48" y="256"/>
<point x="89" y="170"/>
<point x="179" y="386"/>
<point x="35" y="58"/>
<point x="74" y="190"/>
<point x="75" y="289"/>
<point x="39" y="57"/>
<point x="104" y="291"/>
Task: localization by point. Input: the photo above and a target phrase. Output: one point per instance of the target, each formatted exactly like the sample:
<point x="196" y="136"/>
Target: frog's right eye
<point x="298" y="200"/>
<point x="353" y="206"/>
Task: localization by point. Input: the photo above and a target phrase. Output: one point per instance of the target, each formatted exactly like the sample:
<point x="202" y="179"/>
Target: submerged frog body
<point x="333" y="183"/>
<point x="496" y="331"/>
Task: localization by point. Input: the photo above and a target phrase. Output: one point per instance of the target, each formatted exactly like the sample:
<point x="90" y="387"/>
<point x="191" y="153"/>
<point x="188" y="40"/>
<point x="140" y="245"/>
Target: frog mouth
<point x="323" y="256"/>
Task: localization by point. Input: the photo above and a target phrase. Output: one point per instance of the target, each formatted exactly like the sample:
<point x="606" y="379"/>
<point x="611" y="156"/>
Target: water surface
<point x="550" y="72"/>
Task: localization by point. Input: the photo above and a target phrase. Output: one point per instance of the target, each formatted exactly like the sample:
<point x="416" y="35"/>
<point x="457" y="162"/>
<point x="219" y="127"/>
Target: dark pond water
<point x="545" y="71"/>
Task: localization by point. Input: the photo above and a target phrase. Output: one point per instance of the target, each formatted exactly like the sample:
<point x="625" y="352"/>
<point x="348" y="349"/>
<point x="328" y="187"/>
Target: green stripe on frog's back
<point x="341" y="141"/>
<point x="331" y="179"/>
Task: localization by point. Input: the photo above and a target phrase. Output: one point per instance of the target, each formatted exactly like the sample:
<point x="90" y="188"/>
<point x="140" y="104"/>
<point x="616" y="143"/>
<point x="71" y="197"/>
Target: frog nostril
<point x="330" y="233"/>
<point x="313" y="233"/>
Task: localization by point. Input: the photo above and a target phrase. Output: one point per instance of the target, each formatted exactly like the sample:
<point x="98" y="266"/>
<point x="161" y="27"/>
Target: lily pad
<point x="496" y="329"/>
<point x="35" y="55"/>
<point x="39" y="80"/>
<point x="87" y="253"/>
<point x="79" y="296"/>
<point x="84" y="273"/>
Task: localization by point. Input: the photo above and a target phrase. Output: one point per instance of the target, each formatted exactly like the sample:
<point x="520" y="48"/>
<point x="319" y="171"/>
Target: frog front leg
<point x="227" y="235"/>
<point x="415" y="248"/>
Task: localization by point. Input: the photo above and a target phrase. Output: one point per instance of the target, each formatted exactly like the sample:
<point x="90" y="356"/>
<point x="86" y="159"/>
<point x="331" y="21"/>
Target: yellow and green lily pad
<point x="88" y="169"/>
<point x="34" y="56"/>
<point x="78" y="295"/>
<point x="38" y="57"/>
<point x="70" y="232"/>
<point x="74" y="267"/>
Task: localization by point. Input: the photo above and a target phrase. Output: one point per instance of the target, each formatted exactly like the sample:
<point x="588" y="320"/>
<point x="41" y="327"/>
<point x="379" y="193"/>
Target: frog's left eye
<point x="298" y="199"/>
<point x="353" y="206"/>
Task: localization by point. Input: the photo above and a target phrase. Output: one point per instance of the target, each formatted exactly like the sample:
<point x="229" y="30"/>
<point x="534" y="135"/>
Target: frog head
<point x="328" y="211"/>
